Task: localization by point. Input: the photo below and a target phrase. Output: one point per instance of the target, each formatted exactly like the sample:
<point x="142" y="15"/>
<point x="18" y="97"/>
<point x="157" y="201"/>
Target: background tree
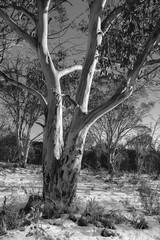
<point x="113" y="128"/>
<point x="22" y="106"/>
<point x="5" y="123"/>
<point x="31" y="22"/>
<point x="141" y="143"/>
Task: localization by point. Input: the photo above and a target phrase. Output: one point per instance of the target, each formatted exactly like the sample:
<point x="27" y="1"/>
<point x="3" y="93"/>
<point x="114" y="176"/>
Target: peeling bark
<point x="60" y="172"/>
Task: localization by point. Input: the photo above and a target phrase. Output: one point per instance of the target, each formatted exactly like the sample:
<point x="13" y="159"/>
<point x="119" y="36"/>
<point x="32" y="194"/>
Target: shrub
<point x="37" y="148"/>
<point x="12" y="217"/>
<point x="140" y="223"/>
<point x="8" y="148"/>
<point x="93" y="210"/>
<point x="90" y="160"/>
<point x="96" y="214"/>
<point x="150" y="199"/>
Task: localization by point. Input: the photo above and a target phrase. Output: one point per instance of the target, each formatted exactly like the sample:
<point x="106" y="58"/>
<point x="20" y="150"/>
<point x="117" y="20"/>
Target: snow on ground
<point x="117" y="195"/>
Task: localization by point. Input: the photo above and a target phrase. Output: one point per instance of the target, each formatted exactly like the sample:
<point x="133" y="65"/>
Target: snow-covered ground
<point x="119" y="195"/>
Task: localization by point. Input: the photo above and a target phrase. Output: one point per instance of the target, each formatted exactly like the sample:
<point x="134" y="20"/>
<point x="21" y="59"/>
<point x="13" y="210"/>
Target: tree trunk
<point x="60" y="172"/>
<point x="112" y="169"/>
<point x="20" y="146"/>
<point x="26" y="150"/>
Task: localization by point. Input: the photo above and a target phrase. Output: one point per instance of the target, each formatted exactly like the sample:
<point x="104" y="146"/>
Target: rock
<point x="65" y="216"/>
<point x="73" y="218"/>
<point x="57" y="222"/>
<point x="69" y="224"/>
<point x="26" y="222"/>
<point x="107" y="223"/>
<point x="82" y="221"/>
<point x="107" y="233"/>
<point x="2" y="232"/>
<point x="98" y="224"/>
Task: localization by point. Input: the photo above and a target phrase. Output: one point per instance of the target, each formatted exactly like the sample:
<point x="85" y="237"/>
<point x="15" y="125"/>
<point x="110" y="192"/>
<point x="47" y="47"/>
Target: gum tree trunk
<point x="60" y="173"/>
<point x="26" y="145"/>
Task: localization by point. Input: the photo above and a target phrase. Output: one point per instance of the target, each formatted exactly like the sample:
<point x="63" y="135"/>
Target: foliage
<point x="93" y="209"/>
<point x="90" y="160"/>
<point x="8" y="148"/>
<point x="50" y="209"/>
<point x="35" y="153"/>
<point x="5" y="124"/>
<point x="140" y="223"/>
<point x="128" y="35"/>
<point x="112" y="129"/>
<point x="152" y="162"/>
<point x="22" y="107"/>
<point x="12" y="218"/>
<point x="150" y="198"/>
<point x="96" y="214"/>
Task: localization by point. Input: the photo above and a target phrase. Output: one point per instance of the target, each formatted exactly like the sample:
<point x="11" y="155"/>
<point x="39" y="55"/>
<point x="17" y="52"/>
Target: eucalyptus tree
<point x="141" y="144"/>
<point x="113" y="129"/>
<point x="32" y="22"/>
<point x="5" y="124"/>
<point x="22" y="107"/>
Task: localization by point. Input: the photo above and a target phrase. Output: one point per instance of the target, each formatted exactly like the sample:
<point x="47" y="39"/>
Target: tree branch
<point x="152" y="40"/>
<point x="20" y="9"/>
<point x="107" y="22"/>
<point x="152" y="62"/>
<point x="18" y="30"/>
<point x="11" y="81"/>
<point x="120" y="96"/>
<point x="123" y="92"/>
<point x="69" y="70"/>
<point x="71" y="100"/>
<point x="94" y="41"/>
<point x="36" y="137"/>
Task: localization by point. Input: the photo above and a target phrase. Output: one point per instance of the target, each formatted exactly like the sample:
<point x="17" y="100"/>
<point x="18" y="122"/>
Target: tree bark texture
<point x="60" y="172"/>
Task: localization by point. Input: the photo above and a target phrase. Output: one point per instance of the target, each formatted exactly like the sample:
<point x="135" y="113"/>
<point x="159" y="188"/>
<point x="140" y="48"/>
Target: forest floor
<point x="120" y="195"/>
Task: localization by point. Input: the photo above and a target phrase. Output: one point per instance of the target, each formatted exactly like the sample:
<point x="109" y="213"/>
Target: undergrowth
<point x="150" y="199"/>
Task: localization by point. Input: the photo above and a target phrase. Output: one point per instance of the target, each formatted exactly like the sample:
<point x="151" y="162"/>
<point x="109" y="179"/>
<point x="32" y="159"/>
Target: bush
<point x="35" y="153"/>
<point x="93" y="210"/>
<point x="152" y="163"/>
<point x="140" y="223"/>
<point x="90" y="160"/>
<point x="95" y="213"/>
<point x="150" y="199"/>
<point x="8" y="148"/>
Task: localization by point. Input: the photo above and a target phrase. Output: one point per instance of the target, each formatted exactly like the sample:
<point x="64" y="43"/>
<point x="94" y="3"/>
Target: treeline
<point x="124" y="160"/>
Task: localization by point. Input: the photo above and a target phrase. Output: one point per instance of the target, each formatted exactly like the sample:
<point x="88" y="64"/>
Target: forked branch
<point x="94" y="41"/>
<point x="69" y="70"/>
<point x="107" y="22"/>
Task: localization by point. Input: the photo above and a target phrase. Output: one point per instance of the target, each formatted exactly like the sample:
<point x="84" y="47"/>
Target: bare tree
<point x="62" y="157"/>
